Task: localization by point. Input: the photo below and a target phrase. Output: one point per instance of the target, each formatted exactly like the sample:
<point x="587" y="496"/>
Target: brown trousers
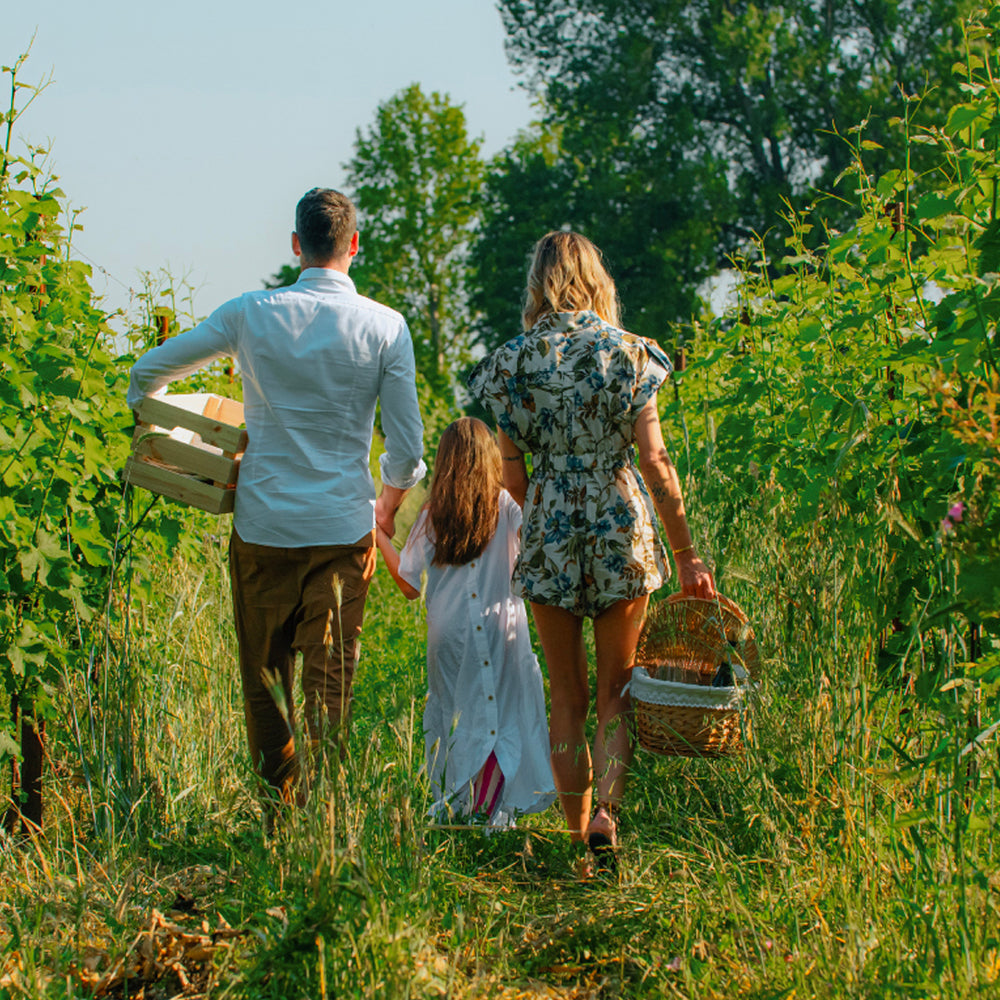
<point x="308" y="600"/>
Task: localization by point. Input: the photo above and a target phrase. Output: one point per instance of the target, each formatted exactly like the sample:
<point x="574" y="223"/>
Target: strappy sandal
<point x="603" y="845"/>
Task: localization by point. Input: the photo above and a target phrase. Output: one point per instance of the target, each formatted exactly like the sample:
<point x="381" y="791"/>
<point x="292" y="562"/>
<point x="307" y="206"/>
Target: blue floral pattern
<point x="568" y="392"/>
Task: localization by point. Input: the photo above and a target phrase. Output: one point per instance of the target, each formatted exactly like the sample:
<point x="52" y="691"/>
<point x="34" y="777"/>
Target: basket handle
<point x="724" y="602"/>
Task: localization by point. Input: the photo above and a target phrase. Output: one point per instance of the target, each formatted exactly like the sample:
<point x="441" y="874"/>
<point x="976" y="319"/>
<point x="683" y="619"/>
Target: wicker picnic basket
<point x="694" y="670"/>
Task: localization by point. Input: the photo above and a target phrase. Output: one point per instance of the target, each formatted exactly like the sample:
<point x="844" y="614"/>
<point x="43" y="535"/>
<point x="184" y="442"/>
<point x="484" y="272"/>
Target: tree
<point x="286" y="275"/>
<point x="685" y="128"/>
<point x="656" y="232"/>
<point x="763" y="87"/>
<point x="415" y="177"/>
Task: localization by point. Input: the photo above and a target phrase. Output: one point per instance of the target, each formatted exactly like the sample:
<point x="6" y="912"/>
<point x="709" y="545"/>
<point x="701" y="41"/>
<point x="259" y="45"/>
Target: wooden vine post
<point x="162" y="327"/>
<point x="26" y="775"/>
<point x="680" y="364"/>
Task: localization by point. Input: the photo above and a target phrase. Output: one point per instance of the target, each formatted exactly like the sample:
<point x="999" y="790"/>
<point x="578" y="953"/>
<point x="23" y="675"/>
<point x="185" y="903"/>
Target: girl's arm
<point x="664" y="486"/>
<point x="391" y="557"/>
<point x="515" y="472"/>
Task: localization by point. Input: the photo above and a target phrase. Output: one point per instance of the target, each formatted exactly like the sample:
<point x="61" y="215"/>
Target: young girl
<point x="484" y="724"/>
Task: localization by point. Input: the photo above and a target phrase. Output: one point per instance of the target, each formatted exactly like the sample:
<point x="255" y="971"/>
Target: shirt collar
<point x="566" y="322"/>
<point x="326" y="276"/>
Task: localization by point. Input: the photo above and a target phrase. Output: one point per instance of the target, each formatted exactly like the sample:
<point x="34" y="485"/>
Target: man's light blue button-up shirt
<point x="315" y="358"/>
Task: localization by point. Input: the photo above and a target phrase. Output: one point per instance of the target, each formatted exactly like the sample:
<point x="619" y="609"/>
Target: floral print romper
<point x="569" y="392"/>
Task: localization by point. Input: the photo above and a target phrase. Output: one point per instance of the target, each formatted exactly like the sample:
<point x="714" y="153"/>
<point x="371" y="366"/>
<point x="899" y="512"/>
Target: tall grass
<point x="793" y="871"/>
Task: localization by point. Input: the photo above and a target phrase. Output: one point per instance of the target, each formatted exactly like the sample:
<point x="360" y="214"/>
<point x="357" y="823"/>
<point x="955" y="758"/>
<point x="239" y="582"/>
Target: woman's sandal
<point x="604" y="844"/>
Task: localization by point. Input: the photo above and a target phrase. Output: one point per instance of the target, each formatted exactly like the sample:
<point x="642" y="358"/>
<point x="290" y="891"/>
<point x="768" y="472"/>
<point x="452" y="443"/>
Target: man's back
<point x="315" y="358"/>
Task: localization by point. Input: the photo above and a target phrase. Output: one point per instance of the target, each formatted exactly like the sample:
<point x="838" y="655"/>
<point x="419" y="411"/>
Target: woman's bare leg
<point x="561" y="636"/>
<point x="616" y="633"/>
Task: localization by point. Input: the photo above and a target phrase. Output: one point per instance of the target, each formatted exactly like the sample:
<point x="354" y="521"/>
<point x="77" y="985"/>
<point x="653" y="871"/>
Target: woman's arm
<point x="664" y="486"/>
<point x="391" y="557"/>
<point x="515" y="472"/>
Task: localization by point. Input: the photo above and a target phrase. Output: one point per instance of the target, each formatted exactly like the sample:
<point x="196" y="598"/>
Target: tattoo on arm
<point x="512" y="458"/>
<point x="660" y="495"/>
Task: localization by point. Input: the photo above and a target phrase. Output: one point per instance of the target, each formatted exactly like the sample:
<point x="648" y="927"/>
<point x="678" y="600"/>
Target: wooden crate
<point x="187" y="447"/>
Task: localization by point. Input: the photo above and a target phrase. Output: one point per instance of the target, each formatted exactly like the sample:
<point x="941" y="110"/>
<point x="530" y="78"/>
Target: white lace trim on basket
<point x="657" y="692"/>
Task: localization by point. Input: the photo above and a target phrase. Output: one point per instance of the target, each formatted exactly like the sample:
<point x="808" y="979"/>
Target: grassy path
<point x="773" y="876"/>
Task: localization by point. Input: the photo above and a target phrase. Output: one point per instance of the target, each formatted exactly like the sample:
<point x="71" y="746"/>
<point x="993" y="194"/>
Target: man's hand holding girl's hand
<point x="386" y="505"/>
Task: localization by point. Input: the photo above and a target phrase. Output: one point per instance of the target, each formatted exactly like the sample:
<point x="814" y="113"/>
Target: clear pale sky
<point x="189" y="130"/>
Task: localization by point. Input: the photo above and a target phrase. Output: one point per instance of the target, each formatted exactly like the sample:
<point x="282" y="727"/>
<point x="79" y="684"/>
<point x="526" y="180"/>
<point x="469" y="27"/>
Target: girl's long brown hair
<point x="567" y="274"/>
<point x="464" y="505"/>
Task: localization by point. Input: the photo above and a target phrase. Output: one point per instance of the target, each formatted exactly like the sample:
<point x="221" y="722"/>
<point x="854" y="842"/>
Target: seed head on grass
<point x="277" y="691"/>
<point x="328" y="635"/>
<point x="337" y="585"/>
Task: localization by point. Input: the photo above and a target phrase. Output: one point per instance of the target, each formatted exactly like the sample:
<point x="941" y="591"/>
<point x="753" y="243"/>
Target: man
<point x="315" y="358"/>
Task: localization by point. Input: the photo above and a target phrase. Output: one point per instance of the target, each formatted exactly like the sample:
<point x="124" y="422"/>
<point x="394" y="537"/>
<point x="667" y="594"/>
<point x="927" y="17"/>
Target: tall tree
<point x="654" y="212"/>
<point x="415" y="177"/>
<point x="762" y="87"/>
<point x="684" y="128"/>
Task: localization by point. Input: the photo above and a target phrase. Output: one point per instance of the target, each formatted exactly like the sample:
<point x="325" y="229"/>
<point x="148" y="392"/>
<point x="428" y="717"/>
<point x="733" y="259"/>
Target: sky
<point x="188" y="131"/>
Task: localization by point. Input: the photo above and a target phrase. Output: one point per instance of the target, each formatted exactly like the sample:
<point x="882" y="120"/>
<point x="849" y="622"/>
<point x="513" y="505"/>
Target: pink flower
<point x="953" y="517"/>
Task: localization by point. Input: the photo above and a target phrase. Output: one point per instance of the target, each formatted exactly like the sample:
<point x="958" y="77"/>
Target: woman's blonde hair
<point x="464" y="504"/>
<point x="567" y="274"/>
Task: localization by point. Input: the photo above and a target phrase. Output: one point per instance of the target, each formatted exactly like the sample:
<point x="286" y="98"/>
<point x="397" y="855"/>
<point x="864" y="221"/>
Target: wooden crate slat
<point x="187" y="458"/>
<point x="153" y="410"/>
<point x="229" y="411"/>
<point x="177" y="486"/>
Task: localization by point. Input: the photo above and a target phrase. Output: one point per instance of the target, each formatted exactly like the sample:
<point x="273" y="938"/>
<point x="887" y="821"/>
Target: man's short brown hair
<point x="325" y="221"/>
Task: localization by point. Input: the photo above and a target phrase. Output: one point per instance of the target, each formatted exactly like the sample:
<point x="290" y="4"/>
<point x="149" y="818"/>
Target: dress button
<point x="486" y="663"/>
<point x="490" y="698"/>
<point x="473" y="593"/>
<point x="479" y="628"/>
<point x="493" y="732"/>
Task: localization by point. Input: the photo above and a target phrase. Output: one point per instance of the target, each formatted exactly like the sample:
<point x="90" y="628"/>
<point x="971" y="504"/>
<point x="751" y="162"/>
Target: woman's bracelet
<point x="683" y="548"/>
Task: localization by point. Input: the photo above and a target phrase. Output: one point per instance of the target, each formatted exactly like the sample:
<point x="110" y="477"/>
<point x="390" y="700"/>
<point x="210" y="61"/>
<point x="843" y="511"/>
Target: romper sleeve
<point x="496" y="383"/>
<point x="417" y="552"/>
<point x="652" y="366"/>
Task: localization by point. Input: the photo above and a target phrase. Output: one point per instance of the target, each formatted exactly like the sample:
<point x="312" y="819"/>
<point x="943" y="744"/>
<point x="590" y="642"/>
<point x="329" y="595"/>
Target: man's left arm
<point x="184" y="354"/>
<point x="402" y="465"/>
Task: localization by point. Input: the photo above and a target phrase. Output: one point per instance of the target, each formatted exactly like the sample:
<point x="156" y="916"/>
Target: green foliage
<point x="816" y="390"/>
<point x="611" y="185"/>
<point x="166" y="308"/>
<point x="60" y="440"/>
<point x="684" y="128"/>
<point x="415" y="178"/>
<point x="847" y="406"/>
<point x="67" y="528"/>
<point x="286" y="275"/>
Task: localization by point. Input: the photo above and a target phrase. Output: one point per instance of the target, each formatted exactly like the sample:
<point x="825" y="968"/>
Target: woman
<point x="575" y="391"/>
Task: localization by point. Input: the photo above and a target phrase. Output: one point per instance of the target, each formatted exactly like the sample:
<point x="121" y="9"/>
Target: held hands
<point x="694" y="576"/>
<point x="385" y="520"/>
<point x="386" y="505"/>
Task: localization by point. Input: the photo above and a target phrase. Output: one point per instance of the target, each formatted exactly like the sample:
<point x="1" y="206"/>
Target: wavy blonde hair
<point x="464" y="504"/>
<point x="567" y="274"/>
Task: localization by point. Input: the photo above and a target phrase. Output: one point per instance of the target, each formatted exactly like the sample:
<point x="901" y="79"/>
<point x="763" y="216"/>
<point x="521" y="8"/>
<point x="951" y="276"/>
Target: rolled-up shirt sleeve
<point x="402" y="464"/>
<point x="184" y="354"/>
